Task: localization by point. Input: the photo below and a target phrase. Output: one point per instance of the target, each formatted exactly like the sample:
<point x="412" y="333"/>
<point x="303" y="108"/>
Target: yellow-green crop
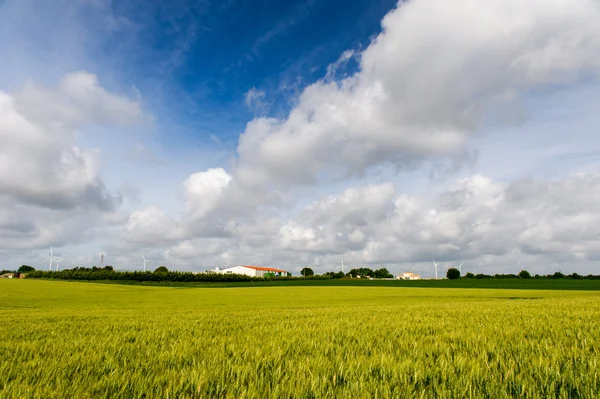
<point x="78" y="340"/>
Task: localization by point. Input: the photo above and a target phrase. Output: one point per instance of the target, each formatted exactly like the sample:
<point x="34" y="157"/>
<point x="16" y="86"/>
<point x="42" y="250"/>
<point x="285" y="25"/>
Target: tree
<point x="524" y="274"/>
<point x="453" y="274"/>
<point x="26" y="269"/>
<point x="576" y="276"/>
<point x="469" y="275"/>
<point x="161" y="269"/>
<point x="558" y="275"/>
<point x="382" y="273"/>
<point x="307" y="271"/>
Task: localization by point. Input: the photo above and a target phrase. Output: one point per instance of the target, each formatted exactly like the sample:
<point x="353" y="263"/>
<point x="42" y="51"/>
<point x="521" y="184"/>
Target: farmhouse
<point x="7" y="275"/>
<point x="254" y="271"/>
<point x="408" y="276"/>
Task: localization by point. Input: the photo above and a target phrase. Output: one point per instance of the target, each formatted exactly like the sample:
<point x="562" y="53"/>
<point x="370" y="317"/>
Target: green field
<point x="76" y="340"/>
<point x="516" y="284"/>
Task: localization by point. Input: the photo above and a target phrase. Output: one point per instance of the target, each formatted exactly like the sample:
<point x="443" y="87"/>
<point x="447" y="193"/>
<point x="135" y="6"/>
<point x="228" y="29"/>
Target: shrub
<point x="558" y="275"/>
<point x="524" y="274"/>
<point x="453" y="274"/>
<point x="307" y="271"/>
<point x="25" y="269"/>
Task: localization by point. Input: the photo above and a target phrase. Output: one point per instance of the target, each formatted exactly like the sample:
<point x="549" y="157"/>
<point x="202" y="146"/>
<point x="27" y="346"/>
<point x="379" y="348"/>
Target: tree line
<point x="454" y="274"/>
<point x="160" y="274"/>
<point x="164" y="274"/>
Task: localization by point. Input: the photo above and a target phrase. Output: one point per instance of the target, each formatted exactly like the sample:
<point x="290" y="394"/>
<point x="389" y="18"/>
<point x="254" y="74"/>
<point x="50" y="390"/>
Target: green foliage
<point x="307" y="271"/>
<point x="361" y="272"/>
<point x="469" y="275"/>
<point x="335" y="275"/>
<point x="558" y="275"/>
<point x="26" y="269"/>
<point x="73" y="340"/>
<point x="161" y="269"/>
<point x="453" y="274"/>
<point x="107" y="273"/>
<point x="7" y="271"/>
<point x="382" y="273"/>
<point x="524" y="274"/>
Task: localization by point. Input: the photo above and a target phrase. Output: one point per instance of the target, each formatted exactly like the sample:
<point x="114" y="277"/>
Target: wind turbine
<point x="58" y="260"/>
<point x="342" y="267"/>
<point x="435" y="265"/>
<point x="144" y="262"/>
<point x="51" y="258"/>
<point x="460" y="267"/>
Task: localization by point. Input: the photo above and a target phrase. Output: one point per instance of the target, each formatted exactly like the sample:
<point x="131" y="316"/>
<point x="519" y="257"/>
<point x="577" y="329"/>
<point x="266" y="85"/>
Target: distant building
<point x="408" y="276"/>
<point x="7" y="275"/>
<point x="253" y="271"/>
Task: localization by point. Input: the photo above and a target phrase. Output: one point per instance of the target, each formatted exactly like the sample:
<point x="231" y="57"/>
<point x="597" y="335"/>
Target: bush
<point x="161" y="269"/>
<point x="307" y="271"/>
<point x="558" y="275"/>
<point x="469" y="275"/>
<point x="524" y="274"/>
<point x="453" y="274"/>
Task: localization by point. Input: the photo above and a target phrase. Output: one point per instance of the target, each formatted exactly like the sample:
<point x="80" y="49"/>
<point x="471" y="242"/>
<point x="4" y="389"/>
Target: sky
<point x="300" y="133"/>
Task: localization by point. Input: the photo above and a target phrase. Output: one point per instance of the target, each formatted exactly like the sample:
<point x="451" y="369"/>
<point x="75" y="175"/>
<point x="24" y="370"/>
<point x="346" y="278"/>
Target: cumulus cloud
<point x="474" y="220"/>
<point x="40" y="162"/>
<point x="494" y="226"/>
<point x="433" y="77"/>
<point x="425" y="84"/>
<point x="204" y="191"/>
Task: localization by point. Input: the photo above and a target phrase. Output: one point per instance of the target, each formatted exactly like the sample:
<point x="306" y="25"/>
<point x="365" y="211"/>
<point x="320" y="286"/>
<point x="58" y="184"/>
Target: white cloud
<point x="475" y="218"/>
<point x="79" y="100"/>
<point x="425" y="85"/>
<point x="204" y="190"/>
<point x="40" y="162"/>
<point x="255" y="101"/>
<point x="149" y="226"/>
<point x="437" y="73"/>
<point x="51" y="189"/>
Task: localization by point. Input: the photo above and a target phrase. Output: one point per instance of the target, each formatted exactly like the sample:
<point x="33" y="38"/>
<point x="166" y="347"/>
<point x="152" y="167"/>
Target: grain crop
<point x="81" y="340"/>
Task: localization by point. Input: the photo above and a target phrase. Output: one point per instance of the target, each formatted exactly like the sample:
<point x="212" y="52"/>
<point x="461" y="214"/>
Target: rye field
<point x="81" y="340"/>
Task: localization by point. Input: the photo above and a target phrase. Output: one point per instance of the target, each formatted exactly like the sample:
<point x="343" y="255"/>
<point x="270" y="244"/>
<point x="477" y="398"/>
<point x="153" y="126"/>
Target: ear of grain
<point x="61" y="339"/>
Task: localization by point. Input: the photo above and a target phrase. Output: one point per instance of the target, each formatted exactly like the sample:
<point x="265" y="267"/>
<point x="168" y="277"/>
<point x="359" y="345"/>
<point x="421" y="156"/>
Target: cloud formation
<point x="51" y="189"/>
<point x="434" y="77"/>
<point x="425" y="84"/>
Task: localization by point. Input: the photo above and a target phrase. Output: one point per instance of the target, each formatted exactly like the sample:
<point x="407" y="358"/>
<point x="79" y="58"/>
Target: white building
<point x="408" y="276"/>
<point x="254" y="271"/>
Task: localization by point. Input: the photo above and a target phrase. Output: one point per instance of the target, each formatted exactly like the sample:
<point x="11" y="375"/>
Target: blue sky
<point x="201" y="132"/>
<point x="194" y="61"/>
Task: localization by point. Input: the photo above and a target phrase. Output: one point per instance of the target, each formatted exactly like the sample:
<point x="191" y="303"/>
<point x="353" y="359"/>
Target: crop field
<point x="75" y="340"/>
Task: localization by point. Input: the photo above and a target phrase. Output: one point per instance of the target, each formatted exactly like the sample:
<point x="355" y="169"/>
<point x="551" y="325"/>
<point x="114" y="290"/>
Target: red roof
<point x="266" y="269"/>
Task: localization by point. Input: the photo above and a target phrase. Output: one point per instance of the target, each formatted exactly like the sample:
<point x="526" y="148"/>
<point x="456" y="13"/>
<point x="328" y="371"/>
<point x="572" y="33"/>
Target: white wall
<point x="240" y="270"/>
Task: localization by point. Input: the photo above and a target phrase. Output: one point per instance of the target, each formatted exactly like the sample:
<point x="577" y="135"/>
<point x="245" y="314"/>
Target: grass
<point x="62" y="339"/>
<point x="520" y="284"/>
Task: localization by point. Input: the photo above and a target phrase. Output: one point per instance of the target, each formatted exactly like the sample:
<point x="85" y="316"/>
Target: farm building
<point x="408" y="276"/>
<point x="254" y="271"/>
<point x="7" y="275"/>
